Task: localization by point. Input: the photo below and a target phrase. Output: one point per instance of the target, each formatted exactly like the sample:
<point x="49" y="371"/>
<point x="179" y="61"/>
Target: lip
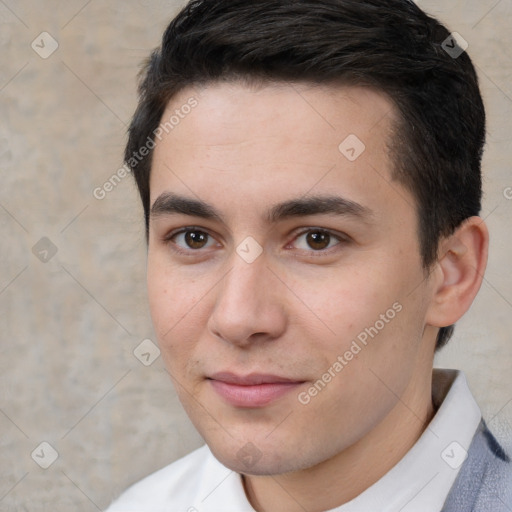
<point x="254" y="390"/>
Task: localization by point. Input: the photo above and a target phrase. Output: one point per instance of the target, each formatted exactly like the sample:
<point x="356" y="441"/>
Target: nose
<point x="249" y="305"/>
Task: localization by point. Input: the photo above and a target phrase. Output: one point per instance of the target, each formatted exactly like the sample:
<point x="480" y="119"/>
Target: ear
<point x="459" y="272"/>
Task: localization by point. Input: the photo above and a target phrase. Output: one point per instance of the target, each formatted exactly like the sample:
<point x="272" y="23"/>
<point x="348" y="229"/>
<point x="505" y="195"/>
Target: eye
<point x="318" y="240"/>
<point x="190" y="239"/>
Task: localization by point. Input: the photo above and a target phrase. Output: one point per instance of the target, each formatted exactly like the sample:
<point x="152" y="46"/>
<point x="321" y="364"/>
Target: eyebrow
<point x="168" y="204"/>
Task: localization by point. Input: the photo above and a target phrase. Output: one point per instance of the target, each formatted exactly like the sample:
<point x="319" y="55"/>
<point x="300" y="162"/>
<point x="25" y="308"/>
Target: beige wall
<point x="68" y="375"/>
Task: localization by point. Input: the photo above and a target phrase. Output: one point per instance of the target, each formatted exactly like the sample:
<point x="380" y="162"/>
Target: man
<point x="310" y="176"/>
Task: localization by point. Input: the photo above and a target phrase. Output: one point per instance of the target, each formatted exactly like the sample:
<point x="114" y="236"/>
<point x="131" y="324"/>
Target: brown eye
<point x="196" y="239"/>
<point x="318" y="240"/>
<point x="189" y="241"/>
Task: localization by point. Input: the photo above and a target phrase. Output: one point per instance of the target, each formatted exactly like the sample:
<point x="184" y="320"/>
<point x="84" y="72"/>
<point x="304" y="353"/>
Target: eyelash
<point x="341" y="238"/>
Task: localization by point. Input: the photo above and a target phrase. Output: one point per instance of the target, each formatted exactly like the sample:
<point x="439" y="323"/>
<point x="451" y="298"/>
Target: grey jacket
<point x="484" y="483"/>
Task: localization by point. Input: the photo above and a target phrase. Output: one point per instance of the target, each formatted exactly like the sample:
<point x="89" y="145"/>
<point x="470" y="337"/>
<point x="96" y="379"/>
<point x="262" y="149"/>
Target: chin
<point x="250" y="459"/>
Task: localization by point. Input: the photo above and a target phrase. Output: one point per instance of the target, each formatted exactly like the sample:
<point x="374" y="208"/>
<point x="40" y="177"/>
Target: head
<point x="267" y="98"/>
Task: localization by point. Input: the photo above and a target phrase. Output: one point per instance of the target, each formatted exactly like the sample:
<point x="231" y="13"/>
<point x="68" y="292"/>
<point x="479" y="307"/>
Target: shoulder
<point x="179" y="482"/>
<point x="497" y="478"/>
<point x="485" y="479"/>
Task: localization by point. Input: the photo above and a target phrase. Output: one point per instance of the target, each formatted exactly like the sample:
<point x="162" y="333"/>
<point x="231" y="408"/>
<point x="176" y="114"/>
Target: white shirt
<point x="419" y="482"/>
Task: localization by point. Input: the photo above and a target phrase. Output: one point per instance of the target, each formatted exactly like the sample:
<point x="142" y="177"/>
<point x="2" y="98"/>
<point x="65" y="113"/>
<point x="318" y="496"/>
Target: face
<point x="284" y="275"/>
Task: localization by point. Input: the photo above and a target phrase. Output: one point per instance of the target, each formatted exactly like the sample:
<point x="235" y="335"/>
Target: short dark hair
<point x="390" y="45"/>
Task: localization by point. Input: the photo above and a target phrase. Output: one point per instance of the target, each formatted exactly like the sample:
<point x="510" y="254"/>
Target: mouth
<point x="254" y="390"/>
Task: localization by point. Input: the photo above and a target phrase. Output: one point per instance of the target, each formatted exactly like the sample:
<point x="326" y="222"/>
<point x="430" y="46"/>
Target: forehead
<point x="233" y="111"/>
<point x="264" y="143"/>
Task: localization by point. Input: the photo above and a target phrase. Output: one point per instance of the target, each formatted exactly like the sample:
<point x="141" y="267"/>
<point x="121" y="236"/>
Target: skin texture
<point x="299" y="305"/>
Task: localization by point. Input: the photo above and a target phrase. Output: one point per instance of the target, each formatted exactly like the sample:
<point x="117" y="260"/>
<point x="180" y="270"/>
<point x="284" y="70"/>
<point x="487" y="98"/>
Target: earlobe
<point x="461" y="266"/>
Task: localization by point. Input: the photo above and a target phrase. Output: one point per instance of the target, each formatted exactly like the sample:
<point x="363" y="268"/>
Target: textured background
<point x="70" y="321"/>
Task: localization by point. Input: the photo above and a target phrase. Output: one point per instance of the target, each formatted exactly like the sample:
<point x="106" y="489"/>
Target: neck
<point x="345" y="476"/>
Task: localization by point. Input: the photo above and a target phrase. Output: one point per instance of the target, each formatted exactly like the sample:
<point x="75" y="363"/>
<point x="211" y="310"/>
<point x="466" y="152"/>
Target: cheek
<point x="173" y="303"/>
<point x="344" y="304"/>
<point x="368" y="312"/>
